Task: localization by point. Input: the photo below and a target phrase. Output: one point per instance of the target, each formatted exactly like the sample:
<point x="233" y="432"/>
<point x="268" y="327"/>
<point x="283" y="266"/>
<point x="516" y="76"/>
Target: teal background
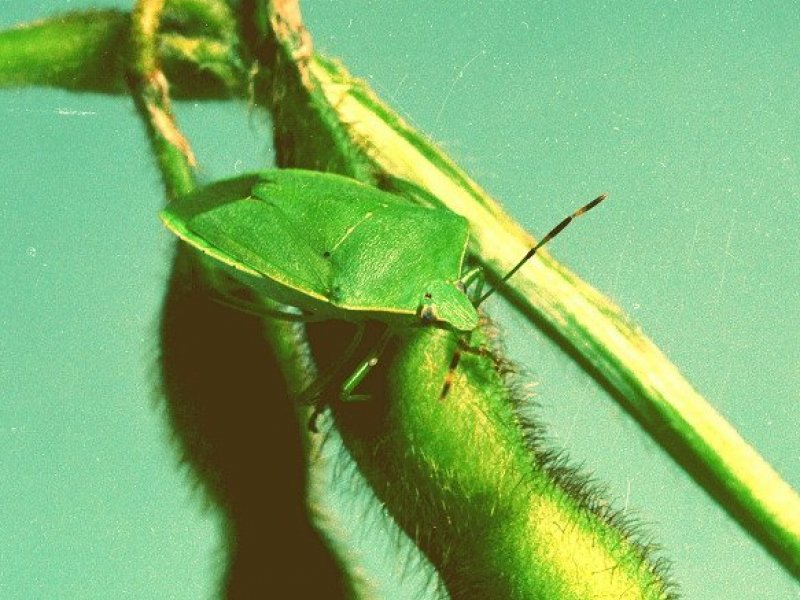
<point x="685" y="113"/>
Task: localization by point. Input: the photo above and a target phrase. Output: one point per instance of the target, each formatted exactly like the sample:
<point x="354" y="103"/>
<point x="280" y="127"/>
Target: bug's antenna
<point x="550" y="235"/>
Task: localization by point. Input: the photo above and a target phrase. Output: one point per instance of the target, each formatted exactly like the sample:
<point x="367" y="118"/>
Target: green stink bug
<point x="335" y="248"/>
<point x="332" y="247"/>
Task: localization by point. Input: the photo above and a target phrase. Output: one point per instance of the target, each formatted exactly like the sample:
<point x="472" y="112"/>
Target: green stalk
<point x="458" y="474"/>
<point x="78" y="51"/>
<point x="84" y="52"/>
<point x="150" y="92"/>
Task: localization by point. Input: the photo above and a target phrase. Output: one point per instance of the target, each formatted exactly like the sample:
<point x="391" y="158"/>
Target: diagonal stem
<point x="150" y="91"/>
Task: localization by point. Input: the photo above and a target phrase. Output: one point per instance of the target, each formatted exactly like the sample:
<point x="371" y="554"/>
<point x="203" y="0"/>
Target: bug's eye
<point x="427" y="313"/>
<point x="326" y="254"/>
<point x="427" y="309"/>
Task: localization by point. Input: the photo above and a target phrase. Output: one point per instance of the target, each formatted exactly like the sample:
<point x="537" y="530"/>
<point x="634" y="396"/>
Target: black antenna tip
<point x="597" y="201"/>
<point x="591" y="205"/>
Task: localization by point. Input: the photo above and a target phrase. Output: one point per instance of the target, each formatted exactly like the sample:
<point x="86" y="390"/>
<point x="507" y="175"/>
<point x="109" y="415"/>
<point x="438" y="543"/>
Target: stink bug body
<point x="332" y="247"/>
<point x="335" y="248"/>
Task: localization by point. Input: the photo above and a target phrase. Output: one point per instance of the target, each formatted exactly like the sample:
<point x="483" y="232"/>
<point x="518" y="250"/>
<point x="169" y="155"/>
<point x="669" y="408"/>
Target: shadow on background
<point x="237" y="431"/>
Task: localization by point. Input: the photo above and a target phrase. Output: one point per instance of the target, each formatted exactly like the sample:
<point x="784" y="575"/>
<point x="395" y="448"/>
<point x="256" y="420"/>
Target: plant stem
<point x="150" y="91"/>
<point x="456" y="472"/>
<point x="83" y="52"/>
<point x="78" y="51"/>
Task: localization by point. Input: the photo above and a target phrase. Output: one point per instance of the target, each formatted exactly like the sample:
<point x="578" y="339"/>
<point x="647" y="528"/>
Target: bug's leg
<point x="362" y="370"/>
<point x="481" y="351"/>
<point x="475" y="274"/>
<point x="451" y="374"/>
<point x="472" y="275"/>
<point x="312" y="420"/>
<point x="477" y="291"/>
<point x="463" y="346"/>
<point x="316" y="388"/>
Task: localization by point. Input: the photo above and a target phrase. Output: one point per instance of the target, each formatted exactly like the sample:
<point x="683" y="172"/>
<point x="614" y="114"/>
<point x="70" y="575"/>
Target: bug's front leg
<point x="464" y="346"/>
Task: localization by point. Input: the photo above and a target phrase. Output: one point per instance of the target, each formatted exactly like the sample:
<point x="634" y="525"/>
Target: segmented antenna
<point x="550" y="235"/>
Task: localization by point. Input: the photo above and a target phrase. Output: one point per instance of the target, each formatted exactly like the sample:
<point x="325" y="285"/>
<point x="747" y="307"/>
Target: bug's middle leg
<point x="317" y="388"/>
<point x="353" y="380"/>
<point x="362" y="370"/>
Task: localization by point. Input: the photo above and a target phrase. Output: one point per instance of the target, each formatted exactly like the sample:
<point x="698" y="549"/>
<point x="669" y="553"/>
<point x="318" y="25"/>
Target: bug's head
<point x="445" y="303"/>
